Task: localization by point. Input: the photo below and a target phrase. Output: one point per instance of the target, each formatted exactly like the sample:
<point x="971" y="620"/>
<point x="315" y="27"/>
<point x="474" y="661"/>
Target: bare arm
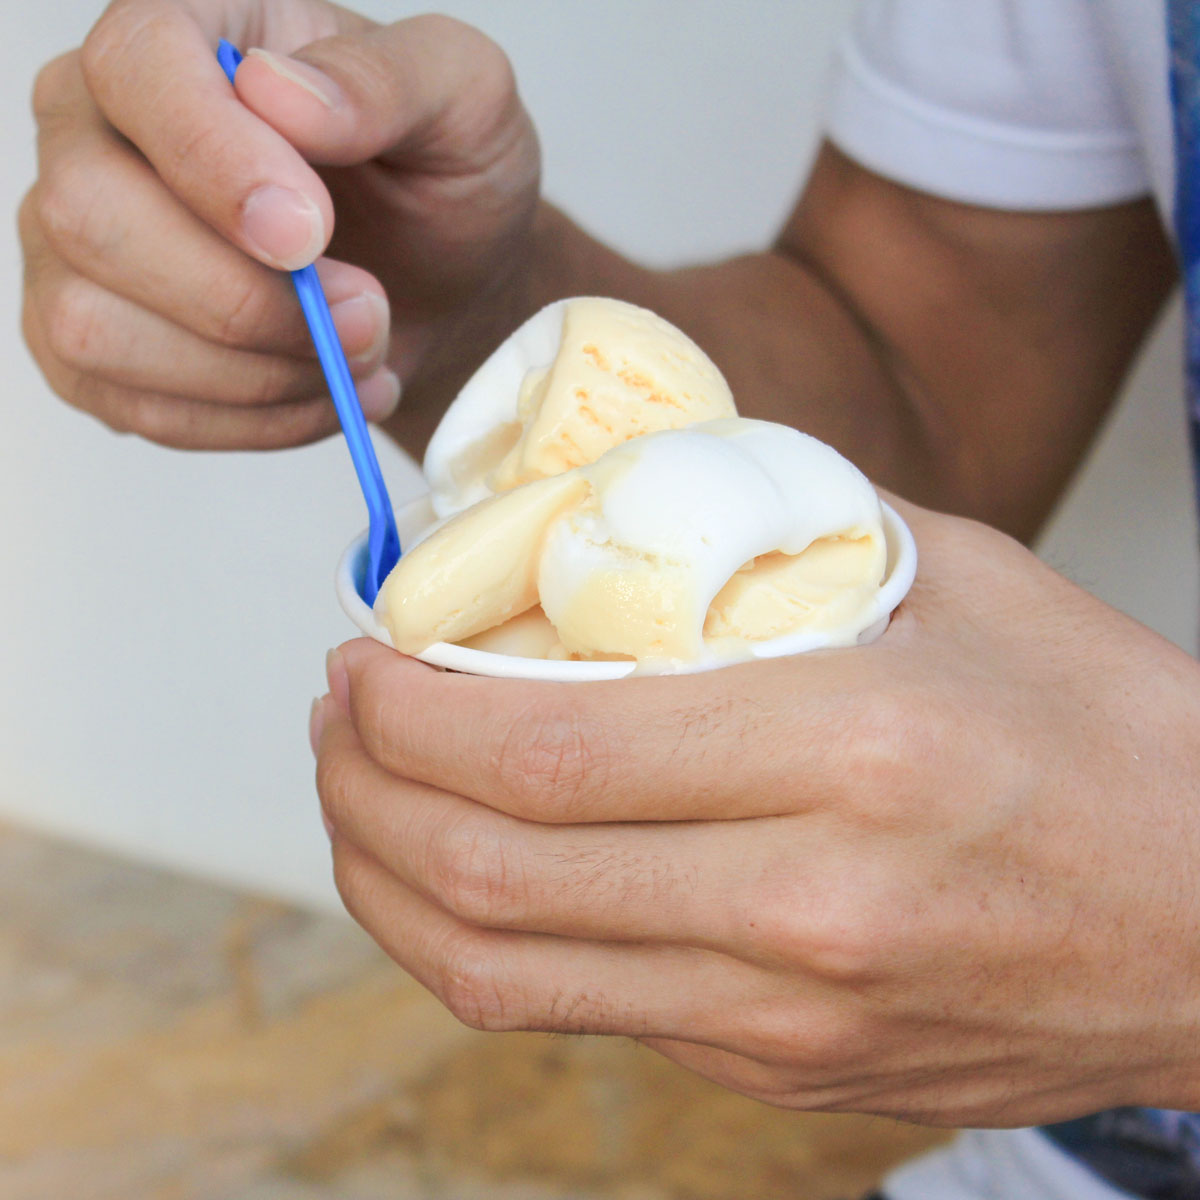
<point x="963" y="357"/>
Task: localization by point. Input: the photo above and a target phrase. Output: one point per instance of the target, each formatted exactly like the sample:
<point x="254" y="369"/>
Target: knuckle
<point x="112" y="37"/>
<point x="497" y="79"/>
<point x="115" y="408"/>
<point x="28" y="225"/>
<point x="297" y="425"/>
<point x="487" y="112"/>
<point x="154" y="418"/>
<point x="266" y="382"/>
<point x="333" y="783"/>
<point x="34" y="251"/>
<point x="118" y="418"/>
<point x="51" y="85"/>
<point x="60" y="201"/>
<point x="350" y="879"/>
<point x="73" y="327"/>
<point x="73" y="210"/>
<point x="835" y="936"/>
<point x="30" y="331"/>
<point x="549" y="761"/>
<point x="491" y="68"/>
<point x="470" y="986"/>
<point x="844" y="949"/>
<point x="383" y="714"/>
<point x="240" y="316"/>
<point x="442" y="27"/>
<point x="896" y="736"/>
<point x="373" y="79"/>
<point x="469" y="872"/>
<point x="809" y="1051"/>
<point x="177" y="160"/>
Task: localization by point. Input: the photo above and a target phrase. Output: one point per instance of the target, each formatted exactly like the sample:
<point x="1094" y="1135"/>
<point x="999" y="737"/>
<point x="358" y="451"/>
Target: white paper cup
<point x="412" y="518"/>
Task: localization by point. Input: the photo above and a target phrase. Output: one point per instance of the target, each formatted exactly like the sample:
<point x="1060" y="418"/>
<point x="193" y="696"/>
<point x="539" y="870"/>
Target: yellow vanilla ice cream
<point x="612" y="506"/>
<point x="581" y="377"/>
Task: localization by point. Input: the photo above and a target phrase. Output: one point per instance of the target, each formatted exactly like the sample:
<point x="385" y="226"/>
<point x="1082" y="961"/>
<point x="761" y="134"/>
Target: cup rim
<point x="900" y="573"/>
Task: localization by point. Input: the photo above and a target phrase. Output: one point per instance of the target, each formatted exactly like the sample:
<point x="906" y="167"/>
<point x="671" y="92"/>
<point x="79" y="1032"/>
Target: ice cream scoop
<point x="672" y="549"/>
<point x="578" y="378"/>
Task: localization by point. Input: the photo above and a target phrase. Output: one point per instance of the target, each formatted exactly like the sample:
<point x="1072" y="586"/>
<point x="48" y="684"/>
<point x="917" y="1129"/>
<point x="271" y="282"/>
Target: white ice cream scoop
<point x="579" y="377"/>
<point x="675" y="519"/>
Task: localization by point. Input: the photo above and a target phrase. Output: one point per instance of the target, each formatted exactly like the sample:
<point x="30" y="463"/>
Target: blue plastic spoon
<point x="383" y="542"/>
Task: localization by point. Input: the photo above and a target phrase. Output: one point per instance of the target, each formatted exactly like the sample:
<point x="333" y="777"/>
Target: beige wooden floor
<point x="163" y="1039"/>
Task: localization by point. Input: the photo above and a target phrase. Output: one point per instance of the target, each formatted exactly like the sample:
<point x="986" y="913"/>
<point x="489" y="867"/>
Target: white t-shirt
<point x="1020" y="104"/>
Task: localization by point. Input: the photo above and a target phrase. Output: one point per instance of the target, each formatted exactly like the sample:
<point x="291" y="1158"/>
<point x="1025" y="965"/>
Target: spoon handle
<point x="383" y="541"/>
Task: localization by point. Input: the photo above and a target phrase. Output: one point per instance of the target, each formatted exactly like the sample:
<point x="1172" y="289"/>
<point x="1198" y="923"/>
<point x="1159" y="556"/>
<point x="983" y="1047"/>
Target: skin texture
<point x="810" y="879"/>
<point x="923" y="878"/>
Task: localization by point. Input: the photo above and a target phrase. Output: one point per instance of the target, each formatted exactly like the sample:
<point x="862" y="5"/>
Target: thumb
<point x="429" y="92"/>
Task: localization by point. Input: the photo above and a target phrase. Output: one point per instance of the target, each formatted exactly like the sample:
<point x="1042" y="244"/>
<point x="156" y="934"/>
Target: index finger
<point x="756" y="739"/>
<point x="153" y="72"/>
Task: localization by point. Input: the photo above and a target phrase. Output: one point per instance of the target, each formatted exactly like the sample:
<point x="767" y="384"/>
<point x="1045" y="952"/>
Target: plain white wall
<point x="165" y="616"/>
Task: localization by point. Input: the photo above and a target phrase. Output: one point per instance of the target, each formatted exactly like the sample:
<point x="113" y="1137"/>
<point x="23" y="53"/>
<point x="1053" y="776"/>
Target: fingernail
<point x="315" y="82"/>
<point x="380" y="395"/>
<point x="316" y="724"/>
<point x="363" y="322"/>
<point x="339" y="680"/>
<point x="284" y="227"/>
<point x="328" y="825"/>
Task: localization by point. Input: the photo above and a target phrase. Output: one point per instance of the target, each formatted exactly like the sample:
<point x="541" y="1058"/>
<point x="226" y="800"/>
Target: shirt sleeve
<point x="1002" y="103"/>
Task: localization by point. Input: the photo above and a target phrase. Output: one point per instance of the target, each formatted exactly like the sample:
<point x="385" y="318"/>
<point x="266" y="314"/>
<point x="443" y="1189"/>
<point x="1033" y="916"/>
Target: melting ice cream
<point x="599" y="499"/>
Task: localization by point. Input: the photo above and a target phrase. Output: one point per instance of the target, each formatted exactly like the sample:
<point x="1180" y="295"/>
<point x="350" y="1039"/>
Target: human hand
<point x="166" y="206"/>
<point x="948" y="877"/>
